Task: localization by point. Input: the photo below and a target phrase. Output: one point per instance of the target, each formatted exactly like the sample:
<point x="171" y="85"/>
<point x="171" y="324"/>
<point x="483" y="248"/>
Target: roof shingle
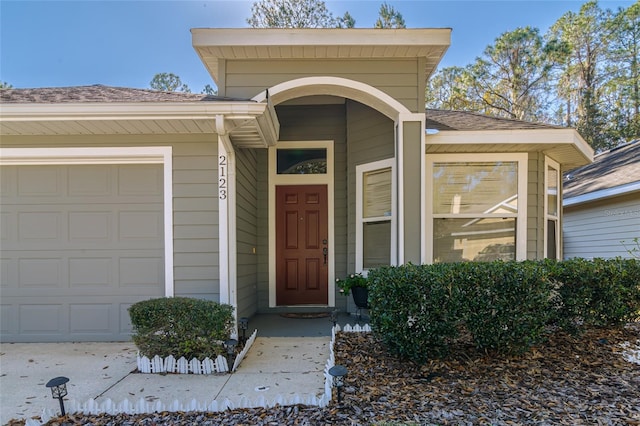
<point x="100" y="93"/>
<point x="470" y="121"/>
<point x="616" y="167"/>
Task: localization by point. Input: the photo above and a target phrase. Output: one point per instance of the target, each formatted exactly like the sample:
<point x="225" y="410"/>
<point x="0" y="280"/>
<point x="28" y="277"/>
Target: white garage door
<point x="79" y="245"/>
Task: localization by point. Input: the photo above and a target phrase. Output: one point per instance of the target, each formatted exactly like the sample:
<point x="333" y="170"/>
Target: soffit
<point x="562" y="145"/>
<point x="214" y="44"/>
<point x="249" y="124"/>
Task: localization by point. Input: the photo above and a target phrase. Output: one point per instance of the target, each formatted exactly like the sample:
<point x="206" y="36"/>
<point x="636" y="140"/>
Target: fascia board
<point x="602" y="194"/>
<point x="551" y="137"/>
<point x="128" y="111"/>
<point x="205" y="37"/>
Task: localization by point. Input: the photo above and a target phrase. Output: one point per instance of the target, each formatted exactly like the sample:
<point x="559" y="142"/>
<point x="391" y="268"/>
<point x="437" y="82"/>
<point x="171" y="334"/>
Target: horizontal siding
<point x="371" y="137"/>
<point x="195" y="201"/>
<point x="300" y="123"/>
<point x="399" y="78"/>
<point x="246" y="232"/>
<point x="598" y="229"/>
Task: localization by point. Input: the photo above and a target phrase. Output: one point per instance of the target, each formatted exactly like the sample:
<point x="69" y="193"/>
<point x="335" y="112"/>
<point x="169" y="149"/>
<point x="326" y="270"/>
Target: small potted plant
<point x="358" y="286"/>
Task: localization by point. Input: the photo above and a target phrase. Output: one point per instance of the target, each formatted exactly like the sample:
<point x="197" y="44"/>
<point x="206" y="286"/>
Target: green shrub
<point x="181" y="326"/>
<point x="506" y="305"/>
<point x="412" y="308"/>
<point x="596" y="292"/>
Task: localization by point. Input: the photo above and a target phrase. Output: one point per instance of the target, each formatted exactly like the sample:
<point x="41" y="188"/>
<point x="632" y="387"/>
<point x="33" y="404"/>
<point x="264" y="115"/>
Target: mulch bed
<point x="567" y="381"/>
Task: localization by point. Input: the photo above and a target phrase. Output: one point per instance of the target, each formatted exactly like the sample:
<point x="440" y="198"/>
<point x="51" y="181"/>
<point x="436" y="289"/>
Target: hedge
<point x="181" y="326"/>
<point x="506" y="307"/>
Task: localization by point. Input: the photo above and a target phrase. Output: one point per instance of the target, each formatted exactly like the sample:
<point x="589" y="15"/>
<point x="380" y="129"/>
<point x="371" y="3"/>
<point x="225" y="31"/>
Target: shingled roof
<point x="471" y="121"/>
<point x="100" y="93"/>
<point x="610" y="169"/>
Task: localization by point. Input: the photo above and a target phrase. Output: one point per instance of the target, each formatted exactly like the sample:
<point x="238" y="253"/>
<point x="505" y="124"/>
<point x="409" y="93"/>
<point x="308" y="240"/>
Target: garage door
<point x="79" y="245"/>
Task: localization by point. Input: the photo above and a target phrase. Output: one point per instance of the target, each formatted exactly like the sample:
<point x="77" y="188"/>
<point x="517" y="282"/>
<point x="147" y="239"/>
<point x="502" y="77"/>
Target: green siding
<point x="399" y="78"/>
<point x="371" y="138"/>
<point x="412" y="160"/>
<point x="246" y="231"/>
<point x="300" y="123"/>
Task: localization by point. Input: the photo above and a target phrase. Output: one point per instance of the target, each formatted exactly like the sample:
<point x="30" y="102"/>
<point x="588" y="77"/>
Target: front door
<point x="301" y="245"/>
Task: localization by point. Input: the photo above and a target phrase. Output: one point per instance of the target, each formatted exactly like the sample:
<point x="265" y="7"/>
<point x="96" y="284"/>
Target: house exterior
<point x="317" y="159"/>
<point x="602" y="205"/>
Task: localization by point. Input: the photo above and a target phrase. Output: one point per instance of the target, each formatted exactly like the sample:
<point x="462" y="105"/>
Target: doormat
<point x="306" y="315"/>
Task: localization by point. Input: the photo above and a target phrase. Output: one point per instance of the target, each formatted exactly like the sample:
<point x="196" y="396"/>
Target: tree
<point x="587" y="34"/>
<point x="513" y="75"/>
<point x="346" y="21"/>
<point x="208" y="90"/>
<point x="622" y="91"/>
<point x="5" y="85"/>
<point x="168" y="82"/>
<point x="389" y="18"/>
<point x="448" y="89"/>
<point x="295" y="14"/>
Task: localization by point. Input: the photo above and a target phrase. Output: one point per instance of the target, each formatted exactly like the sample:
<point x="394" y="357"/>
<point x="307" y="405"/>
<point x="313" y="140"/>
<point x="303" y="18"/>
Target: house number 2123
<point x="222" y="177"/>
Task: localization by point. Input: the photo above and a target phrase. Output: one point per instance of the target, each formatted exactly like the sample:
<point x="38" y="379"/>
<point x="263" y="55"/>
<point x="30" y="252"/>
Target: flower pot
<point x="360" y="297"/>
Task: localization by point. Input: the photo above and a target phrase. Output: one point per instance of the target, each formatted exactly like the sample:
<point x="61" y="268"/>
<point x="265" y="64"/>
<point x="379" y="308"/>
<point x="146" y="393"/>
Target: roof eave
<point x="256" y="122"/>
<point x="565" y="146"/>
<point x="601" y="194"/>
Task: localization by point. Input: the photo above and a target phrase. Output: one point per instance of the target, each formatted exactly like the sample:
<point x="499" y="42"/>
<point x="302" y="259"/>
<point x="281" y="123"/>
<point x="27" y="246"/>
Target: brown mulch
<point x="567" y="381"/>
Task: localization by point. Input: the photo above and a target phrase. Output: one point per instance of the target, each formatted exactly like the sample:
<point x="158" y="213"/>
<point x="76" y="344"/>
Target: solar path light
<point x="338" y="372"/>
<point x="58" y="387"/>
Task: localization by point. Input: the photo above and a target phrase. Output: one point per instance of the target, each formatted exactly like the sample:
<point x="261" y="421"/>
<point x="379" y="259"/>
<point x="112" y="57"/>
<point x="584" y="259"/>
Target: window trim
<point x="548" y="162"/>
<point x="521" y="215"/>
<point x="360" y="220"/>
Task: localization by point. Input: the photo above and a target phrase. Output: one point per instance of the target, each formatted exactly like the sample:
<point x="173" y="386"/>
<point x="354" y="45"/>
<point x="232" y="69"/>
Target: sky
<point x="56" y="43"/>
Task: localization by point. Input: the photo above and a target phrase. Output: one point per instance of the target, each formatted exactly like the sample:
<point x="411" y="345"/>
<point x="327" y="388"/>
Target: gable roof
<point x="100" y="93"/>
<point x="216" y="45"/>
<point x="613" y="172"/>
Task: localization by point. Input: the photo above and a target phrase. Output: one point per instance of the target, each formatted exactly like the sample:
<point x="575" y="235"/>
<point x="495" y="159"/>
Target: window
<point x="375" y="230"/>
<point x="301" y="161"/>
<point x="475" y="210"/>
<point x="552" y="209"/>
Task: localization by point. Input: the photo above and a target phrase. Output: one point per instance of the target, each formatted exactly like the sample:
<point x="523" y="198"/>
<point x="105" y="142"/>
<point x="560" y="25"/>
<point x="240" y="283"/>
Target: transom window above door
<point x="301" y="161"/>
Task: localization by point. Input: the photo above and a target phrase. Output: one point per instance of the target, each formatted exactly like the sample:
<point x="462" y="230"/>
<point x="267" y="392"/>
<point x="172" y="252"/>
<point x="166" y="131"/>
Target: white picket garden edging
<point x="195" y="366"/>
<point x="207" y="366"/>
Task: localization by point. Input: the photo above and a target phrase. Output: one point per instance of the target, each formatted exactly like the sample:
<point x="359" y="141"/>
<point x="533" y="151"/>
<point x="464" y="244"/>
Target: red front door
<point x="301" y="245"/>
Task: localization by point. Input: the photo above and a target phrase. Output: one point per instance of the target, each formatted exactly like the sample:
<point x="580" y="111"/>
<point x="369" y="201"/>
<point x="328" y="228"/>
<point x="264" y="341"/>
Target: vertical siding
<point x="598" y="229"/>
<point x="195" y="201"/>
<point x="370" y="138"/>
<point x="246" y="231"/>
<point x="402" y="79"/>
<point x="300" y="123"/>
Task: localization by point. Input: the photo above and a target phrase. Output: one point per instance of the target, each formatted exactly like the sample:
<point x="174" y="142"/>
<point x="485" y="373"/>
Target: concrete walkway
<point x="273" y="366"/>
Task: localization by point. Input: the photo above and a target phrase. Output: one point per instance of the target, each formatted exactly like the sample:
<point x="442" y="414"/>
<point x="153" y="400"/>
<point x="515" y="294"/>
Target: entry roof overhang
<point x="249" y="124"/>
<point x="214" y="44"/>
<point x="563" y="145"/>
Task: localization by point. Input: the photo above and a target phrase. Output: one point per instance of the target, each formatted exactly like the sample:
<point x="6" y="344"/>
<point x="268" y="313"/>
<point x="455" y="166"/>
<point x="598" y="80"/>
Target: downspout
<point x="227" y="217"/>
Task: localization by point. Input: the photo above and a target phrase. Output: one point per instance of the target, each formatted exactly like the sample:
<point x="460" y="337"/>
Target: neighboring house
<point x="314" y="162"/>
<point x="602" y="205"/>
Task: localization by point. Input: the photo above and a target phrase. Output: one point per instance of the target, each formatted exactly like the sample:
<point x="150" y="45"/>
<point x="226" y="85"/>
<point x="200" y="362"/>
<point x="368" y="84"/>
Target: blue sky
<point x="125" y="43"/>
